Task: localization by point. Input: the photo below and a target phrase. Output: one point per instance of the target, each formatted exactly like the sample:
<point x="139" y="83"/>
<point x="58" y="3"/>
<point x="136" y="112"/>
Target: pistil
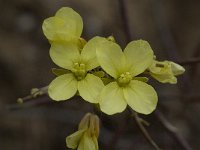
<point x="79" y="71"/>
<point x="124" y="79"/>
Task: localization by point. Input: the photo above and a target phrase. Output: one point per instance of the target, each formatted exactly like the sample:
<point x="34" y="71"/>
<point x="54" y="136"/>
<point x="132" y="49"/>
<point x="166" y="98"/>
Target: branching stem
<point x="172" y="130"/>
<point x="140" y="123"/>
<point x="35" y="92"/>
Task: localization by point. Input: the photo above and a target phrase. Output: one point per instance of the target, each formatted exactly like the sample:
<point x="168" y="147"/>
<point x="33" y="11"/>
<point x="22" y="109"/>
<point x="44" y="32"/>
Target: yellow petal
<point x="88" y="54"/>
<point x="139" y="56"/>
<point x="162" y="71"/>
<point x="112" y="99"/>
<point x="110" y="57"/>
<point x="67" y="25"/>
<point x="90" y="87"/>
<point x="54" y="29"/>
<point x="177" y="69"/>
<point x="141" y="97"/>
<point x="63" y="87"/>
<point x="95" y="143"/>
<point x="87" y="143"/>
<point x="73" y="140"/>
<point x="164" y="78"/>
<point x="64" y="54"/>
<point x="85" y="121"/>
<point x="73" y="20"/>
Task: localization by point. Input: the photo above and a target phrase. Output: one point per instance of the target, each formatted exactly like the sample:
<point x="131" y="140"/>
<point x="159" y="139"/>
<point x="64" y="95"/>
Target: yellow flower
<point x="66" y="25"/>
<point x="78" y="78"/>
<point x="86" y="136"/>
<point x="124" y="67"/>
<point x="165" y="71"/>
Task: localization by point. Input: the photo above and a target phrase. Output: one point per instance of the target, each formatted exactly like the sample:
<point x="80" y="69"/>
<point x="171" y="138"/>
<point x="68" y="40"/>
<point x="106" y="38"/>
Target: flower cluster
<point x="120" y="81"/>
<point x="101" y="72"/>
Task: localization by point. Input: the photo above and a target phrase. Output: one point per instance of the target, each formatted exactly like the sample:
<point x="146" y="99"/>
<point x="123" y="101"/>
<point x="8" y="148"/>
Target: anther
<point x="79" y="71"/>
<point x="124" y="79"/>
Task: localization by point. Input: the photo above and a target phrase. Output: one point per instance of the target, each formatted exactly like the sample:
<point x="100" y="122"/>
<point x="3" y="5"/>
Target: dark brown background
<point x="172" y="27"/>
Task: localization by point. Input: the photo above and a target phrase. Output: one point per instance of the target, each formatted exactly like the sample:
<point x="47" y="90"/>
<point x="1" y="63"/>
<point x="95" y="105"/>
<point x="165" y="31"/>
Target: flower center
<point x="79" y="71"/>
<point x="124" y="79"/>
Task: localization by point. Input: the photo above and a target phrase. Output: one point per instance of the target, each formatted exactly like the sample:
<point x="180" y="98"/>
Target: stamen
<point x="124" y="79"/>
<point x="79" y="71"/>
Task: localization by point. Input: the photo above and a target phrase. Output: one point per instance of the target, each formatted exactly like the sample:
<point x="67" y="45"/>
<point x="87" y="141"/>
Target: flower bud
<point x="87" y="134"/>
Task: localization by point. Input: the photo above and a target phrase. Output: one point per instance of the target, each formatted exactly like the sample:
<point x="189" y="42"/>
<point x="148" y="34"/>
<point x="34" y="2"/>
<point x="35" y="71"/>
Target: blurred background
<point x="172" y="27"/>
